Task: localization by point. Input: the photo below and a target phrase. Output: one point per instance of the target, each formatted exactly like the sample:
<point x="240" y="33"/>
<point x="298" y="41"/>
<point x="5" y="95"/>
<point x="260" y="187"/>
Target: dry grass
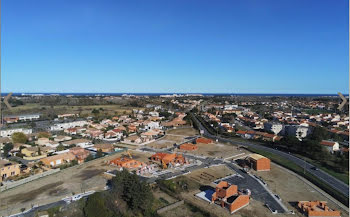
<point x="291" y="189"/>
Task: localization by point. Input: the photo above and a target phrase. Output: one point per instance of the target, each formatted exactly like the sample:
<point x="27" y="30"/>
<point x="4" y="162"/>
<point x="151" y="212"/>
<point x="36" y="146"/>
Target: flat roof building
<point x="259" y="162"/>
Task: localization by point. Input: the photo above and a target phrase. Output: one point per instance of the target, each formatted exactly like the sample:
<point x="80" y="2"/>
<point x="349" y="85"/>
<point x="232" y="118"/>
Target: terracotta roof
<point x="327" y="143"/>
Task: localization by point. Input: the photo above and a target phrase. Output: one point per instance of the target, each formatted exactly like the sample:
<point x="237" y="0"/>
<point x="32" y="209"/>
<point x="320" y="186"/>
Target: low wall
<point x="170" y="207"/>
<point x="28" y="179"/>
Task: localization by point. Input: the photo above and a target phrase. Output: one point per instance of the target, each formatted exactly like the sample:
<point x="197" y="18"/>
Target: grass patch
<point x="344" y="177"/>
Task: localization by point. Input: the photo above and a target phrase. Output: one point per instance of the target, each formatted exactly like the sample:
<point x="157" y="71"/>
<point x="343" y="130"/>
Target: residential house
<point x="229" y="197"/>
<point x="331" y="146"/>
<point x="8" y="169"/>
<point x="84" y="143"/>
<point x="106" y="148"/>
<point x="59" y="159"/>
<point x="62" y="138"/>
<point x="80" y="153"/>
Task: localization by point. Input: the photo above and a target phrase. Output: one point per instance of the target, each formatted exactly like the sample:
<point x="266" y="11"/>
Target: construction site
<point x="237" y="183"/>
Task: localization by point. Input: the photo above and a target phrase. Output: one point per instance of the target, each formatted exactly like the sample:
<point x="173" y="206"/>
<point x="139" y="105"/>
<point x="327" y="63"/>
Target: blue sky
<point x="233" y="46"/>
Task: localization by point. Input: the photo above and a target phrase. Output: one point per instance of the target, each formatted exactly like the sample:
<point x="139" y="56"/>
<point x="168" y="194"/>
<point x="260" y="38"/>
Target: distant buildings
<point x="275" y="128"/>
<point x="8" y="132"/>
<point x="67" y="125"/>
<point x="298" y="131"/>
<point x="16" y="118"/>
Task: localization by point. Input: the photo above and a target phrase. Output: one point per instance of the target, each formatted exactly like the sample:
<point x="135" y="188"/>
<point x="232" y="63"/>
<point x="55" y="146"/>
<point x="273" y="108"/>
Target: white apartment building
<point x="275" y="128"/>
<point x="64" y="126"/>
<point x="9" y="132"/>
<point x="299" y="131"/>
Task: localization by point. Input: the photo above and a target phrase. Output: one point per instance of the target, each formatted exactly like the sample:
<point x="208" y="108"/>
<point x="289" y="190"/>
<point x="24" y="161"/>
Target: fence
<point x="28" y="179"/>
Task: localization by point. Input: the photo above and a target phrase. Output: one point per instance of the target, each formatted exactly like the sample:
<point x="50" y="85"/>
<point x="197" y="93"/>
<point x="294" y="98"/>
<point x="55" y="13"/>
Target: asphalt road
<point x="244" y="181"/>
<point x="325" y="177"/>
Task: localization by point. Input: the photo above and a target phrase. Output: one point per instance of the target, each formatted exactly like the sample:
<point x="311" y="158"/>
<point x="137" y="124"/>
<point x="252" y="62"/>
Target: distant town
<point x="188" y="154"/>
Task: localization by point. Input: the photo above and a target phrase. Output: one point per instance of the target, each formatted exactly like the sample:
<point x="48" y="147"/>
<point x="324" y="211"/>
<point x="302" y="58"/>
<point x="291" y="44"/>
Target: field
<point x="61" y="109"/>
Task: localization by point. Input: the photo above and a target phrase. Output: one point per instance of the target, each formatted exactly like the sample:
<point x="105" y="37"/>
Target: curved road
<point x="325" y="177"/>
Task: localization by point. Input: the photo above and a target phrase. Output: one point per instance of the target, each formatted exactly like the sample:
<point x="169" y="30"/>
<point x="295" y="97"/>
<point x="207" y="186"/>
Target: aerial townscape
<point x="174" y="108"/>
<point x="174" y="155"/>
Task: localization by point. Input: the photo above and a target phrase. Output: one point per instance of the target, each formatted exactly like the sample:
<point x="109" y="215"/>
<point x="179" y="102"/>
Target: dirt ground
<point x="173" y="136"/>
<point x="158" y="194"/>
<point x="206" y="176"/>
<point x="183" y="131"/>
<point x="219" y="150"/>
<point x="167" y="141"/>
<point x="140" y="156"/>
<point x="73" y="180"/>
<point x="291" y="189"/>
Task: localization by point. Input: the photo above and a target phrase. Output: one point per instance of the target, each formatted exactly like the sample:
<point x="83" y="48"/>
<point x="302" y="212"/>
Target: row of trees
<point x="311" y="148"/>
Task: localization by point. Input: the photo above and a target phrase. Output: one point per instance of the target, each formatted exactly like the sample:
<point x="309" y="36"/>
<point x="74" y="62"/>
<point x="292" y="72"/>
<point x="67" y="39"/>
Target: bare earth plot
<point x="291" y="189"/>
<point x="85" y="177"/>
<point x="219" y="150"/>
<point x="173" y="136"/>
<point x="188" y="131"/>
<point x="206" y="176"/>
<point x="167" y="141"/>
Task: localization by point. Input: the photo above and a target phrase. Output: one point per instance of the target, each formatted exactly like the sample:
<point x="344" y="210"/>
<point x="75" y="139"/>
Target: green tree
<point x="19" y="137"/>
<point x="99" y="153"/>
<point x="44" y="135"/>
<point x="89" y="158"/>
<point x="7" y="148"/>
<point x="319" y="133"/>
<point x="96" y="206"/>
<point x="60" y="147"/>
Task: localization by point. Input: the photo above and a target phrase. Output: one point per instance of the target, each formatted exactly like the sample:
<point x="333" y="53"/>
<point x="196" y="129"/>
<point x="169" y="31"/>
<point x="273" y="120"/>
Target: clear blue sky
<point x="233" y="46"/>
